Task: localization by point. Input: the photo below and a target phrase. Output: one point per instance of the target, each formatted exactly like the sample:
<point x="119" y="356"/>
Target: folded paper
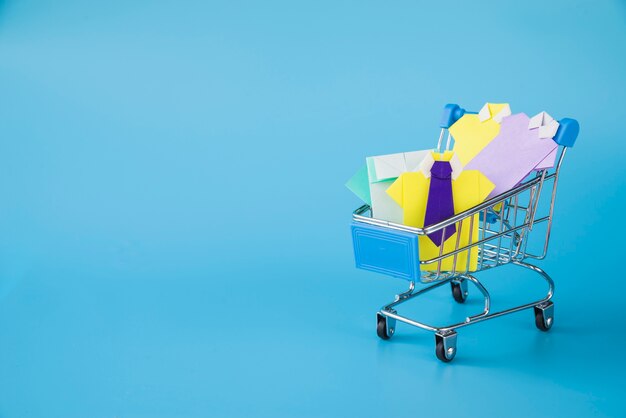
<point x="390" y="166"/>
<point x="545" y="124"/>
<point x="371" y="182"/>
<point x="469" y="188"/>
<point x="360" y="185"/>
<point x="515" y="152"/>
<point x="440" y="204"/>
<point x="547" y="162"/>
<point x="489" y="111"/>
<point x="550" y="132"/>
<point x="472" y="132"/>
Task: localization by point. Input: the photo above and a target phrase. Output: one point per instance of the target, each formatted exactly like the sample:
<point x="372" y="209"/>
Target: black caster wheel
<point x="440" y="351"/>
<point x="459" y="291"/>
<point x="544" y="316"/>
<point x="383" y="329"/>
<point x="445" y="346"/>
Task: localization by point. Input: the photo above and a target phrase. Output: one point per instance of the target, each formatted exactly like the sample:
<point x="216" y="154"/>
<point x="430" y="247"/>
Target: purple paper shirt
<point x="513" y="154"/>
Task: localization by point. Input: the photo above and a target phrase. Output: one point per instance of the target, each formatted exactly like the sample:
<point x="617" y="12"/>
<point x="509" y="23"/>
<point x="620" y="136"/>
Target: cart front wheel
<point x="544" y="316"/>
<point x="382" y="330"/>
<point x="440" y="351"/>
<point x="445" y="346"/>
<point x="459" y="291"/>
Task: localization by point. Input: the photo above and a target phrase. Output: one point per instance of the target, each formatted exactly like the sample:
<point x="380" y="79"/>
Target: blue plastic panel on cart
<point x="385" y="251"/>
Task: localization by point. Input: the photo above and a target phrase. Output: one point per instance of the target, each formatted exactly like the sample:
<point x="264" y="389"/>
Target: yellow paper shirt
<point x="470" y="188"/>
<point x="471" y="135"/>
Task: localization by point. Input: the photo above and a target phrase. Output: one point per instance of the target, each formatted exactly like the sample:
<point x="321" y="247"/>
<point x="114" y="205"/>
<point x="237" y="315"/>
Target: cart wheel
<point x="544" y="316"/>
<point x="441" y="353"/>
<point x="459" y="291"/>
<point x="381" y="327"/>
<point x="445" y="346"/>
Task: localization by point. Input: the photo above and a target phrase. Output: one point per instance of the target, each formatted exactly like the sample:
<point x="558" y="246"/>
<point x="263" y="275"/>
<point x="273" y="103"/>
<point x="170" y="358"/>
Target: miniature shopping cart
<point x="506" y="224"/>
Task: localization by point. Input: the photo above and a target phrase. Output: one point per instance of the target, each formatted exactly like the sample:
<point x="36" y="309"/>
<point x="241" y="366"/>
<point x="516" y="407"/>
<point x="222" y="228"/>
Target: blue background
<point x="175" y="230"/>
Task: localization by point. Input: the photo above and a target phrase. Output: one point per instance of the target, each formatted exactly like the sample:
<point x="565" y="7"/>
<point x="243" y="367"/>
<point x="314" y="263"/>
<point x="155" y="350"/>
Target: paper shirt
<point x="472" y="132"/>
<point x="514" y="153"/>
<point x="469" y="188"/>
<point x="548" y="162"/>
<point x="370" y="183"/>
<point x="360" y="186"/>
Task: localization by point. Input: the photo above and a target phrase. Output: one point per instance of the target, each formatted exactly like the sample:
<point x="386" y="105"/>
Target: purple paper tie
<point x="440" y="205"/>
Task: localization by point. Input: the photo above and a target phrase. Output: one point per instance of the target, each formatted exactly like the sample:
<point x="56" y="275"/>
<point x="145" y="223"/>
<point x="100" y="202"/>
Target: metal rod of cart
<point x="506" y="224"/>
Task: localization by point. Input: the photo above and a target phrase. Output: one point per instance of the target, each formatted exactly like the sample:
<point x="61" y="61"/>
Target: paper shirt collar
<point x="390" y="166"/>
<point x="545" y="123"/>
<point x="429" y="160"/>
<point x="494" y="111"/>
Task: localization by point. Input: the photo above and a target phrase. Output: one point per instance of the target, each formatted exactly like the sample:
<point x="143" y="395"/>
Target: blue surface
<point x="175" y="229"/>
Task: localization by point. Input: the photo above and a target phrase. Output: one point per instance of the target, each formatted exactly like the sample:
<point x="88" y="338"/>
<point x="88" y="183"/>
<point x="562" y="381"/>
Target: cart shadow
<point x="543" y="352"/>
<point x="412" y="339"/>
<point x="535" y="352"/>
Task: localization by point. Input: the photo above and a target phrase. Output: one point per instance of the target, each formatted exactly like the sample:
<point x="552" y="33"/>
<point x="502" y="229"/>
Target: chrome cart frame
<point x="505" y="226"/>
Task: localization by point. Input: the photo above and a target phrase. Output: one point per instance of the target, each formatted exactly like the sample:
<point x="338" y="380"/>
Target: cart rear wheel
<point x="381" y="327"/>
<point x="459" y="292"/>
<point x="544" y="316"/>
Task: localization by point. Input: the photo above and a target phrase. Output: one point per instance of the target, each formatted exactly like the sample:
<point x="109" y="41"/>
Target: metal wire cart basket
<point x="506" y="224"/>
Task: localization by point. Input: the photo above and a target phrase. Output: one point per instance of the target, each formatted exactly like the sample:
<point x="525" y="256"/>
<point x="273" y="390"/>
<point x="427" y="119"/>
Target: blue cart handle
<point x="451" y="113"/>
<point x="566" y="134"/>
